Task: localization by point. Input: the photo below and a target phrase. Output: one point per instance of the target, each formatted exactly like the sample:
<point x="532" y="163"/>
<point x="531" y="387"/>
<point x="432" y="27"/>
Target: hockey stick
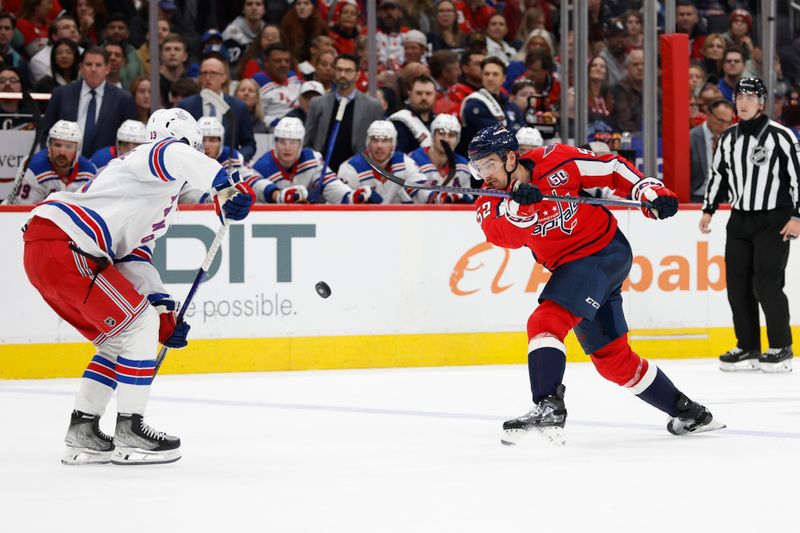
<point x="316" y="192"/>
<point x="27" y="99"/>
<point x="451" y="162"/>
<point x="198" y="279"/>
<point x="503" y="194"/>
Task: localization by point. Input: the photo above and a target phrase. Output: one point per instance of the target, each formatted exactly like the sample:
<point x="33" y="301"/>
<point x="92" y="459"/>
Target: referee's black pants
<point x="755" y="261"/>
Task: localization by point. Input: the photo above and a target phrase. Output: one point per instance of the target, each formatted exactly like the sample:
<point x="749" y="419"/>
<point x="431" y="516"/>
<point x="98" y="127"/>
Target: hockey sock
<point x="547" y="360"/>
<point x="662" y="393"/>
<point x="97" y="385"/>
<point x="133" y="390"/>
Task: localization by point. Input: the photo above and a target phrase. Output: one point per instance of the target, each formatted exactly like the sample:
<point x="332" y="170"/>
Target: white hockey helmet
<point x="211" y="127"/>
<point x="382" y="129"/>
<point x="177" y="123"/>
<point x="530" y="137"/>
<point x="446" y="122"/>
<point x="131" y="131"/>
<point x="290" y="128"/>
<point x="66" y="130"/>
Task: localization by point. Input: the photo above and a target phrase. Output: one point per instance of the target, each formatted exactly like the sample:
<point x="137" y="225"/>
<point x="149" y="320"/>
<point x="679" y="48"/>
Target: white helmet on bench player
<point x="211" y="127"/>
<point x="446" y="122"/>
<point x="66" y="130"/>
<point x="176" y="123"/>
<point x="290" y="128"/>
<point x="382" y="129"/>
<point x="529" y="137"/>
<point x="132" y="131"/>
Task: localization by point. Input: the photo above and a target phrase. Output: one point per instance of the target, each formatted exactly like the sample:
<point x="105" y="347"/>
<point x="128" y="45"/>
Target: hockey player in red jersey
<point x="589" y="259"/>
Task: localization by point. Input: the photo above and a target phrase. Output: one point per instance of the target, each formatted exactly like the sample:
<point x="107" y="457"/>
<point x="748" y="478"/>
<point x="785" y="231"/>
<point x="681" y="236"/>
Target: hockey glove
<point x="366" y="195"/>
<point x="665" y="202"/>
<point x="526" y="194"/>
<point x="293" y="195"/>
<point x="170" y="333"/>
<point x="235" y="202"/>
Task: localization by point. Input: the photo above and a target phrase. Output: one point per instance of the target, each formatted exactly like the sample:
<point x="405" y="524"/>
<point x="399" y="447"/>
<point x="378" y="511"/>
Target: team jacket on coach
<point x="41" y="180"/>
<point x="356" y="172"/>
<point x="305" y="172"/>
<point x="101" y="224"/>
<point x="422" y="158"/>
<point x="755" y="171"/>
<point x="559" y="232"/>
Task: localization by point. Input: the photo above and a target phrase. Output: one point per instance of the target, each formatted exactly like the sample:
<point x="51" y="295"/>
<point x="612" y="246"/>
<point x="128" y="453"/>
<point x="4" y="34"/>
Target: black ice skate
<point x="86" y="444"/>
<point x="693" y="418"/>
<point x="776" y="360"/>
<point x="547" y="418"/>
<point x="139" y="444"/>
<point x="737" y="360"/>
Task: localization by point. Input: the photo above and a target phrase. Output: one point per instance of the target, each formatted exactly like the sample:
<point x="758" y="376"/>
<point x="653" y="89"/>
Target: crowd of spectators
<point x="251" y="63"/>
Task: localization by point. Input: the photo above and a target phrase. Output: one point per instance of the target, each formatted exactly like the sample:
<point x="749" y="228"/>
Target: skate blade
<point x="85" y="456"/>
<point x="711" y="426"/>
<point x="553" y="435"/>
<point x="783" y="367"/>
<point x="749" y="365"/>
<point x="138" y="456"/>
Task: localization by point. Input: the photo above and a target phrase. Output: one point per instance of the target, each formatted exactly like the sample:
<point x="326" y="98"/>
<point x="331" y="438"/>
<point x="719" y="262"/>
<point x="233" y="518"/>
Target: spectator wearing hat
<point x="415" y="47"/>
<point x="614" y="53"/>
<point x="739" y="28"/>
<point x="308" y="92"/>
<point x="172" y="66"/>
<point x="476" y="15"/>
<point x="389" y="36"/>
<point x="687" y="20"/>
<point x="280" y="87"/>
<point x="496" y="45"/>
<point x="214" y="75"/>
<point x="248" y="92"/>
<point x="345" y="30"/>
<point x="252" y="62"/>
<point x="117" y="30"/>
<point x="244" y="29"/>
<point x="301" y="25"/>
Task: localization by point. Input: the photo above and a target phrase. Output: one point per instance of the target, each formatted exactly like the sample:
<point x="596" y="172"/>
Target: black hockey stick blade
<point x="502" y="194"/>
<point x="451" y="162"/>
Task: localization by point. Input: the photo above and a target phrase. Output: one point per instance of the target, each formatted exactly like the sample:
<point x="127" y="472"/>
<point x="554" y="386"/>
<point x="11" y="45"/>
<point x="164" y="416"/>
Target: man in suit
<point x="98" y="107"/>
<point x="360" y="111"/>
<point x="211" y="103"/>
<point x="703" y="140"/>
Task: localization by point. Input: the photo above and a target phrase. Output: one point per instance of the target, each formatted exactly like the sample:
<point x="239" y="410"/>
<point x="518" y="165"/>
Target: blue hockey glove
<point x="526" y="194"/>
<point x="235" y="207"/>
<point x="178" y="337"/>
<point x="367" y="195"/>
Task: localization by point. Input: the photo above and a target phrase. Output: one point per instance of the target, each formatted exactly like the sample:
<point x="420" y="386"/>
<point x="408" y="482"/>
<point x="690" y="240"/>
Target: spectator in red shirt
<point x="34" y="24"/>
<point x="345" y="31"/>
<point x="253" y="60"/>
<point x="474" y="15"/>
<point x="471" y="81"/>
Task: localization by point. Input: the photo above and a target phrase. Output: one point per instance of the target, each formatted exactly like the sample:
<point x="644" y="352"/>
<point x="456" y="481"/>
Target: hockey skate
<point x="737" y="360"/>
<point x="547" y="418"/>
<point x="693" y="418"/>
<point x="776" y="360"/>
<point x="86" y="444"/>
<point x="139" y="444"/>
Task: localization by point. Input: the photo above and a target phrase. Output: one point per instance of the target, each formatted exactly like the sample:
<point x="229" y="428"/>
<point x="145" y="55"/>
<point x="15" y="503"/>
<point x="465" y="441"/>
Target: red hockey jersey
<point x="559" y="232"/>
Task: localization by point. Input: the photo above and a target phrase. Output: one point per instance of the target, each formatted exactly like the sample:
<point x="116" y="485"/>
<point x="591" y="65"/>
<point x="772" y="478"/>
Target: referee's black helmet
<point x="752" y="86"/>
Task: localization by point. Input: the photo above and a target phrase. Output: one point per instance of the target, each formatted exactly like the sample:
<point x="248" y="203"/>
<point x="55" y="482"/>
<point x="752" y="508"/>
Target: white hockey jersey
<point x="305" y="171"/>
<point x="41" y="180"/>
<point x="356" y="172"/>
<point x="132" y="202"/>
<point x="278" y="98"/>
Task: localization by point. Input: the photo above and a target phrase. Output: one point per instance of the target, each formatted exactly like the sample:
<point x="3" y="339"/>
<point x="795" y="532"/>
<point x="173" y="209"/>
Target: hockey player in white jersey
<point x="381" y="143"/>
<point x="434" y="163"/>
<point x="59" y="167"/>
<point x="88" y="254"/>
<point x="130" y="134"/>
<point x="289" y="172"/>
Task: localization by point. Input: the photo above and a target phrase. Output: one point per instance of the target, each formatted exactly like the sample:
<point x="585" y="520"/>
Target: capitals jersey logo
<point x="560" y="216"/>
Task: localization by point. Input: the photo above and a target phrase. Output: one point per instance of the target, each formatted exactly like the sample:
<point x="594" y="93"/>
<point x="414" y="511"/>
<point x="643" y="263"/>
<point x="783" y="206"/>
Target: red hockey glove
<point x="295" y="194"/>
<point x="665" y="202"/>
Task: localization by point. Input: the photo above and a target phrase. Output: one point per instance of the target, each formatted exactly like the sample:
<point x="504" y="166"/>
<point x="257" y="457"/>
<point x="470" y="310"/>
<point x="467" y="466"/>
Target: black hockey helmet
<point x="495" y="139"/>
<point x="752" y="86"/>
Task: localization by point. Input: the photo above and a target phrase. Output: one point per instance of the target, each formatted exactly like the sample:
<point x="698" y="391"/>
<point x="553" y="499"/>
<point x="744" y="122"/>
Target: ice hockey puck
<point x="323" y="289"/>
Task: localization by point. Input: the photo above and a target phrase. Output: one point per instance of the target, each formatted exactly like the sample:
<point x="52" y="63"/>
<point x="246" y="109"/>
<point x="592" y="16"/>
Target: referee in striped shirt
<point x="756" y="169"/>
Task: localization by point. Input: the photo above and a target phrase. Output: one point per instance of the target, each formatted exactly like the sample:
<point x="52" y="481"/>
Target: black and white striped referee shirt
<point x="756" y="167"/>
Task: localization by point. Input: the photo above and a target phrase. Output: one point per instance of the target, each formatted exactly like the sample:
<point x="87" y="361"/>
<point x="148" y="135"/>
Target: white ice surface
<point x="412" y="450"/>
